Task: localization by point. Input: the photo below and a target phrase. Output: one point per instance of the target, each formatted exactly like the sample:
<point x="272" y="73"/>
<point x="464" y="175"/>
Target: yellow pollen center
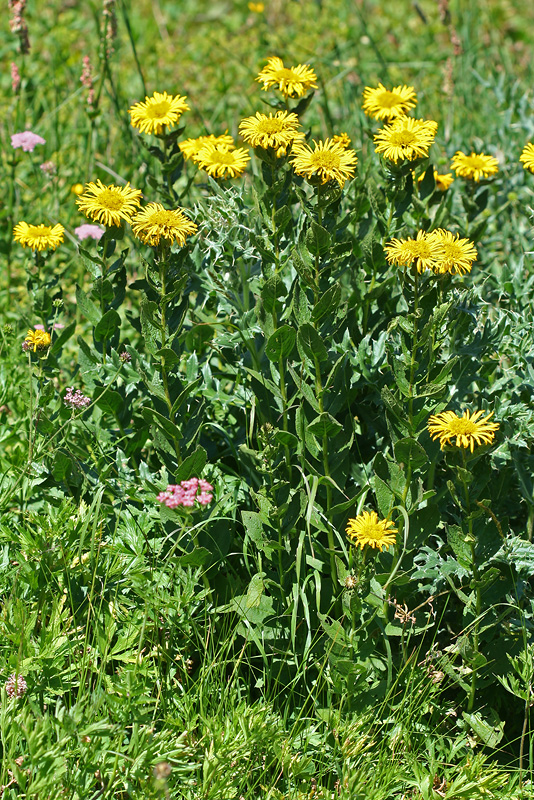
<point x="39" y="230"/>
<point x="403" y="138"/>
<point x="164" y="217"/>
<point x="324" y="159"/>
<point x="462" y="427"/>
<point x="271" y="126"/>
<point x="373" y="531"/>
<point x="420" y="249"/>
<point x="110" y="200"/>
<point x="389" y="99"/>
<point x="475" y="162"/>
<point x="158" y="110"/>
<point x="452" y="250"/>
<point x="287" y="74"/>
<point x="223" y="158"/>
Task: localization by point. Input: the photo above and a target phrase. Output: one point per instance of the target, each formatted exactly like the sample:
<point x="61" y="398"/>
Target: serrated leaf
<point x="325" y="425"/>
<point x="89" y="310"/>
<point x="409" y="451"/>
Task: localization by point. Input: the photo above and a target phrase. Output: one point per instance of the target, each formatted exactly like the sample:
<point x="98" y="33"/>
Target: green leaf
<point x="89" y="310"/>
<point x="310" y="343"/>
<point x="63" y="337"/>
<point x="196" y="558"/>
<point x="107" y="399"/>
<point x="171" y="357"/>
<point x="164" y="424"/>
<point x="325" y="425"/>
<point x="192" y="466"/>
<point x="272" y="289"/>
<point x="255" y="590"/>
<point x="62" y="465"/>
<point x="317" y="239"/>
<point x="487" y="726"/>
<point x="107" y="326"/>
<point x="281" y="343"/>
<point x="328" y="302"/>
<point x="287" y="438"/>
<point x="409" y="451"/>
<point x="461" y="549"/>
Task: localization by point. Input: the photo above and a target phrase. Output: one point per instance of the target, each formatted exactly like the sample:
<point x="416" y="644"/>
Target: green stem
<point x="163" y="333"/>
<point x="478" y="599"/>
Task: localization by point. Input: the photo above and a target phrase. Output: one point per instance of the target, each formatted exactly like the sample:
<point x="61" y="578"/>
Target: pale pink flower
<point x="27" y="140"/>
<point x="187" y="494"/>
<point x="87" y="231"/>
<point x="48" y="167"/>
<point x="15" y="78"/>
<point x="75" y="399"/>
<point x="16" y="686"/>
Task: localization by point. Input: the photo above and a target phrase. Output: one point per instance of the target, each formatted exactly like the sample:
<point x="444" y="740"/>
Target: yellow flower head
<point x="330" y="161"/>
<point x="342" y="138"/>
<point x="109" y="204"/>
<point x="191" y="147"/>
<point x="38" y="237"/>
<point x="406" y="139"/>
<point x="385" y="104"/>
<point x="277" y="132"/>
<point x="466" y="430"/>
<point x="527" y="157"/>
<point x="457" y="255"/>
<point x="38" y="340"/>
<point x="475" y="166"/>
<point x="256" y="8"/>
<point x="221" y="161"/>
<point x="77" y="188"/>
<point x="423" y="252"/>
<point x="368" y="529"/>
<point x="155" y="222"/>
<point x="157" y="112"/>
<point x="442" y="181"/>
<point x="291" y="81"/>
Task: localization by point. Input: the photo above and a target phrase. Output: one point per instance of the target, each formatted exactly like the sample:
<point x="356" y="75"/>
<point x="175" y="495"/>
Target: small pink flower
<point x="87" y="231"/>
<point x="27" y="140"/>
<point x="187" y="494"/>
<point x="16" y="686"/>
<point x="75" y="399"/>
<point x="48" y="167"/>
<point x="15" y="78"/>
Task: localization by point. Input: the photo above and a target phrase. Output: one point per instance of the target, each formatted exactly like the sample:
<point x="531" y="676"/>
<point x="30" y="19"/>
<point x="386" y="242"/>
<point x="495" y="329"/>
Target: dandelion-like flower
<point x="155" y="222"/>
<point x="342" y="138"/>
<point x="76" y="399"/>
<point x="368" y="529"/>
<point x="527" y="157"/>
<point x="330" y="161"/>
<point x="157" y="112"/>
<point x="277" y="132"/>
<point x="16" y="685"/>
<point x="406" y="139"/>
<point x="466" y="431"/>
<point x="87" y="231"/>
<point x="423" y="252"/>
<point x="291" y="81"/>
<point x="191" y="147"/>
<point x="38" y="237"/>
<point x="109" y="204"/>
<point x="475" y="166"/>
<point x="384" y="104"/>
<point x="27" y="140"/>
<point x="187" y="494"/>
<point x="221" y="161"/>
<point x="457" y="254"/>
<point x="37" y="340"/>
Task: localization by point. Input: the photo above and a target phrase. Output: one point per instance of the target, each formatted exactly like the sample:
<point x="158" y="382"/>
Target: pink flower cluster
<point x="16" y="686"/>
<point x="27" y="140"/>
<point x="75" y="399"/>
<point x="187" y="494"/>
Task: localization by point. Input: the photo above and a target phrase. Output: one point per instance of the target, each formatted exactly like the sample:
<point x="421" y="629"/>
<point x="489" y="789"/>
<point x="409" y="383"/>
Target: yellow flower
<point x="277" y="132"/>
<point x="157" y="112"/>
<point x="156" y="222"/>
<point x="368" y="529"/>
<point x="77" y="188"/>
<point x="406" y="138"/>
<point x="38" y="237"/>
<point x="442" y="181"/>
<point x="191" y="147"/>
<point x="382" y="103"/>
<point x="330" y="161"/>
<point x="221" y="161"/>
<point x="423" y="252"/>
<point x="527" y="157"/>
<point x="475" y="166"/>
<point x="38" y="340"/>
<point x="291" y="81"/>
<point x="342" y="138"/>
<point x="109" y="204"/>
<point x="467" y="430"/>
<point x="457" y="254"/>
<point x="256" y="8"/>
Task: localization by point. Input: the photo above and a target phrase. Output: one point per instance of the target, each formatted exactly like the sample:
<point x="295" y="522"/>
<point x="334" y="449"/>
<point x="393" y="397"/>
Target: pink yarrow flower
<point x="75" y="399"/>
<point x="27" y="140"/>
<point x="187" y="494"/>
<point x="87" y="231"/>
<point x="15" y="685"/>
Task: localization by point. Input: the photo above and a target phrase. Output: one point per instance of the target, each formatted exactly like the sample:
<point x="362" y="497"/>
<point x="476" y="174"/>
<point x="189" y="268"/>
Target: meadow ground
<point x="266" y="376"/>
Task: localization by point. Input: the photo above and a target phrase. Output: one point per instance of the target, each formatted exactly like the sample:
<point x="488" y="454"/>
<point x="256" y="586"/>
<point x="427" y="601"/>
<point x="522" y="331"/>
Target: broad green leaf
<point x="281" y="343"/>
<point x="89" y="310"/>
<point x="310" y="343"/>
<point x="325" y="425"/>
<point x="409" y="451"/>
<point x="107" y="326"/>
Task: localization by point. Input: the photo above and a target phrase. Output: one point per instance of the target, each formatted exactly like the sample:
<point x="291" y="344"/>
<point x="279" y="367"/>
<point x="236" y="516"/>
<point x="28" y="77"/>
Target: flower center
<point x="324" y="159"/>
<point x="270" y="126"/>
<point x="38" y="231"/>
<point x="288" y="75"/>
<point x="219" y="157"/>
<point x="462" y="427"/>
<point x="402" y="138"/>
<point x="164" y="217"/>
<point x="452" y="251"/>
<point x="158" y="110"/>
<point x="373" y="531"/>
<point x="419" y="249"/>
<point x="109" y="199"/>
<point x="389" y="99"/>
<point x="475" y="162"/>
